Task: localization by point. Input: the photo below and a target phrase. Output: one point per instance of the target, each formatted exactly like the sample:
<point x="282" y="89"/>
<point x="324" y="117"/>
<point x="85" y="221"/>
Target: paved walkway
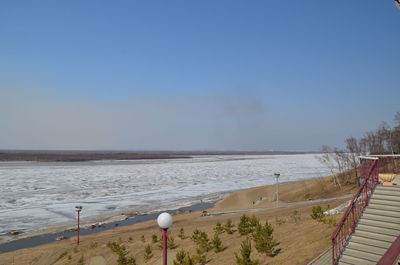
<point x="286" y="205"/>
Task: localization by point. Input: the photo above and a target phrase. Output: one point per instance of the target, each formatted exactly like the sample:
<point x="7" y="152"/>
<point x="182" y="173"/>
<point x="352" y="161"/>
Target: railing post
<point x="347" y="224"/>
<point x="333" y="251"/>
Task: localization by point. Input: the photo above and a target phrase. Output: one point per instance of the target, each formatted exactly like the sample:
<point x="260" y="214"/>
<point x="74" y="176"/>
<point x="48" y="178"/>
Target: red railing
<point x="392" y="254"/>
<point x="341" y="236"/>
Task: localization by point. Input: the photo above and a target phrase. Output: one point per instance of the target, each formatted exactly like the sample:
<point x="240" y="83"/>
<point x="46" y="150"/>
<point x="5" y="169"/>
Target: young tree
<point x="148" y="253"/>
<point x="217" y="243"/>
<point x="228" y="227"/>
<point x="245" y="253"/>
<point x="81" y="261"/>
<point x="122" y="253"/>
<point x="154" y="238"/>
<point x="181" y="234"/>
<point x="247" y="225"/>
<point x="171" y="243"/>
<point x="201" y="239"/>
<point x="218" y="228"/>
<point x="183" y="258"/>
<point x="264" y="241"/>
<point x="200" y="258"/>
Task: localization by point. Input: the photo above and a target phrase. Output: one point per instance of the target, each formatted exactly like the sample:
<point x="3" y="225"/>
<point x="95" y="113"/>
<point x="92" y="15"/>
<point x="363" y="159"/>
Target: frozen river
<point x="36" y="195"/>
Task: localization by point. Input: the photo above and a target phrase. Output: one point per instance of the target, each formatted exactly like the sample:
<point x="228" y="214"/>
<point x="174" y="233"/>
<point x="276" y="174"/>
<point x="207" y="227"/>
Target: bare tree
<point x="328" y="158"/>
<point x="354" y="149"/>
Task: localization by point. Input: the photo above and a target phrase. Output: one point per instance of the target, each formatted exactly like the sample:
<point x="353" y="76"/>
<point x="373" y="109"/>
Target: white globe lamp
<point x="164" y="221"/>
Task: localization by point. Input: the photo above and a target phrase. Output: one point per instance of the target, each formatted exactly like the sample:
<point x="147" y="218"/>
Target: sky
<point x="196" y="75"/>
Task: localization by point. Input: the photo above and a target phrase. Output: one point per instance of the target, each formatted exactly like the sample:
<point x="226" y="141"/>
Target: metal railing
<point x="346" y="227"/>
<point x="392" y="254"/>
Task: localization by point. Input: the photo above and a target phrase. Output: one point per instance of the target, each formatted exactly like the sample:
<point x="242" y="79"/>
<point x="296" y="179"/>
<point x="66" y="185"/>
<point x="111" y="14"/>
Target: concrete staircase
<point x="378" y="227"/>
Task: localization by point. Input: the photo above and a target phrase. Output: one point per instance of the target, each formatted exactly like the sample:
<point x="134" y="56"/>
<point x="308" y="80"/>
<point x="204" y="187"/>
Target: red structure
<point x="78" y="210"/>
<point x="165" y="240"/>
<point x="345" y="228"/>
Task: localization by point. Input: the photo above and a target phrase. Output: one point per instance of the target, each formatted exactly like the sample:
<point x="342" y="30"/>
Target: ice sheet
<point x="34" y="196"/>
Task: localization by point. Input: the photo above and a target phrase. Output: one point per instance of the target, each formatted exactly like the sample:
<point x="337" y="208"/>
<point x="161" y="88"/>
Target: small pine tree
<point x="183" y="258"/>
<point x="81" y="261"/>
<point x="122" y="253"/>
<point x="179" y="257"/>
<point x="181" y="234"/>
<point x="228" y="227"/>
<point x="247" y="225"/>
<point x="317" y="213"/>
<point x="148" y="253"/>
<point x="217" y="243"/>
<point x="141" y="238"/>
<point x="154" y="238"/>
<point x="160" y="245"/>
<point x="201" y="257"/>
<point x="296" y="216"/>
<point x="264" y="241"/>
<point x="171" y="243"/>
<point x="245" y="253"/>
<point x="201" y="239"/>
<point x="218" y="228"/>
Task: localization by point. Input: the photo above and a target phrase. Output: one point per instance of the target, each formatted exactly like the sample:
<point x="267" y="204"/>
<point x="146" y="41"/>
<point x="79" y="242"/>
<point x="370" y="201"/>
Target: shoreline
<point x="96" y="224"/>
<point x="99" y="224"/>
<point x="92" y="228"/>
<point x="86" y="155"/>
<point x="301" y="238"/>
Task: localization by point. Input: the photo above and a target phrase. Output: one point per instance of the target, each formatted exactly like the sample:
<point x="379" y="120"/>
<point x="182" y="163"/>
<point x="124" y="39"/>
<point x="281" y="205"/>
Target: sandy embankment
<point x="299" y="242"/>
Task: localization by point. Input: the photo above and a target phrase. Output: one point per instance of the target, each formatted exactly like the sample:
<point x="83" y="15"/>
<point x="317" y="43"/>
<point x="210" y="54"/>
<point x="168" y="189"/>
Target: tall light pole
<point x="277" y="187"/>
<point x="164" y="221"/>
<point x="78" y="209"/>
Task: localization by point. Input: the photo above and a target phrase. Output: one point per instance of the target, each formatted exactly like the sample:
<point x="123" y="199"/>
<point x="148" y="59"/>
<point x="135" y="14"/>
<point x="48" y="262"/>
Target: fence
<point x="340" y="237"/>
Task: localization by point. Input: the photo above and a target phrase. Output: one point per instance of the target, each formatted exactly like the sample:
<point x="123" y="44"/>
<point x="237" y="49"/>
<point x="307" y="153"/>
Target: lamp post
<point x="78" y="209"/>
<point x="164" y="221"/>
<point x="277" y="187"/>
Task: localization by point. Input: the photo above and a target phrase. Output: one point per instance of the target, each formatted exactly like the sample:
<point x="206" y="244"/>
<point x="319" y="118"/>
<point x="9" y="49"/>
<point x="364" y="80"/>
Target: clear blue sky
<point x="196" y="75"/>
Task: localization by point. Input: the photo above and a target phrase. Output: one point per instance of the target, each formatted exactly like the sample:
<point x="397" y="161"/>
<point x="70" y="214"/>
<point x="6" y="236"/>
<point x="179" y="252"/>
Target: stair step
<point x="355" y="261"/>
<point x="385" y="202"/>
<point x="361" y="254"/>
<point x="370" y="241"/>
<point x="386" y="197"/>
<point x="376" y="236"/>
<point x="378" y="223"/>
<point x="381" y="218"/>
<point x="393" y="188"/>
<point x="387" y="192"/>
<point x="366" y="248"/>
<point x="379" y="230"/>
<point x="343" y="263"/>
<point x="372" y="205"/>
<point x="375" y="211"/>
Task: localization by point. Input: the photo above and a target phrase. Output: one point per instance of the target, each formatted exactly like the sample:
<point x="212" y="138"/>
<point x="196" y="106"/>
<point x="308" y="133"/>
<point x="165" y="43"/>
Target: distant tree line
<point x="384" y="140"/>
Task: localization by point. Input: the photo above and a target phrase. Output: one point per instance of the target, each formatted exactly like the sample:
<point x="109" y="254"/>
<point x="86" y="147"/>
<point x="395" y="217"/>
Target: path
<point x="287" y="205"/>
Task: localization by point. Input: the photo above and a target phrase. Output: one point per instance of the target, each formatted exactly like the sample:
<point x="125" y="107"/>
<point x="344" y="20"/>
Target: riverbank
<point x="83" y="155"/>
<point x="300" y="240"/>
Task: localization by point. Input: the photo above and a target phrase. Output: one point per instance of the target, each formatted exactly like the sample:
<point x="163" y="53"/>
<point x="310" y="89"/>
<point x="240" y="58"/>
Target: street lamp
<point x="78" y="209"/>
<point x="277" y="187"/>
<point x="164" y="221"/>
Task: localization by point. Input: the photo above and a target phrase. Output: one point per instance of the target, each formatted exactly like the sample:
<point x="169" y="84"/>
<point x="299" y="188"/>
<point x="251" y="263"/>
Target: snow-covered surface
<point x="339" y="209"/>
<point x="35" y="196"/>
